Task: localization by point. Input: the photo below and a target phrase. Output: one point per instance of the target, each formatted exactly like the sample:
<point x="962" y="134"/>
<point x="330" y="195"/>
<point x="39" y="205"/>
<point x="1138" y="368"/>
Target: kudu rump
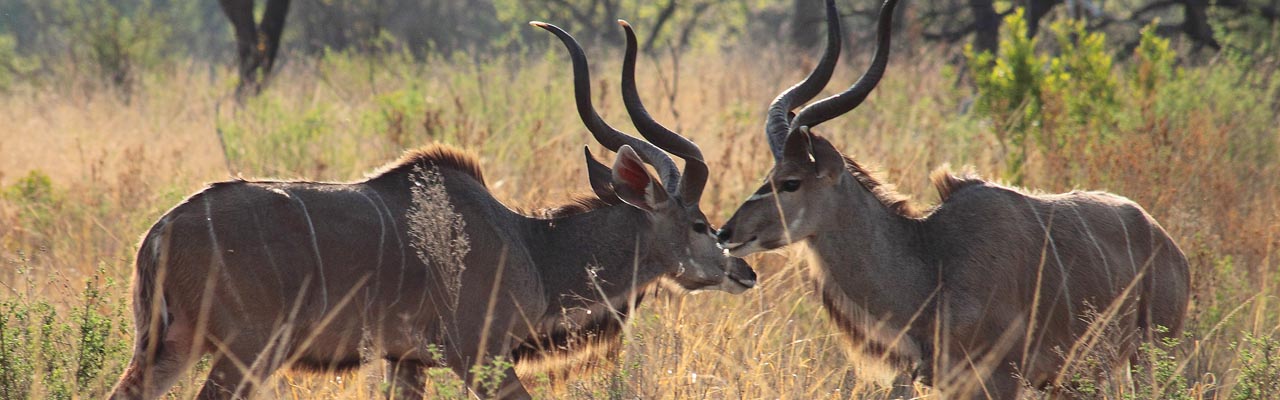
<point x="419" y="265"/>
<point x="990" y="283"/>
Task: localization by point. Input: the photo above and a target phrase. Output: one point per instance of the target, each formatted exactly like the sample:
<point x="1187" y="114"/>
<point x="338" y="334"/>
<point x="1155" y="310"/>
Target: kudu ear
<point x="600" y="177"/>
<point x="633" y="184"/>
<point x="798" y="146"/>
<point x="830" y="163"/>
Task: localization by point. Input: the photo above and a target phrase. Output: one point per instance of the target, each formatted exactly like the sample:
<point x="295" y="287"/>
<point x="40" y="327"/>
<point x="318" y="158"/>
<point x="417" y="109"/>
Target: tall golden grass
<point x="113" y="167"/>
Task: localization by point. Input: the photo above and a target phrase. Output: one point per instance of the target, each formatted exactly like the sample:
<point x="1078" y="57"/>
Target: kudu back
<point x="418" y="265"/>
<point x="992" y="282"/>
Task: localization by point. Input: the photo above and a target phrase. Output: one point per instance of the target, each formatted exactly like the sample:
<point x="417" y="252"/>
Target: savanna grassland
<point x="86" y="168"/>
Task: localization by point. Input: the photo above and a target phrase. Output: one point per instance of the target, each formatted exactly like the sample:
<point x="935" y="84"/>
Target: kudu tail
<point x="153" y="359"/>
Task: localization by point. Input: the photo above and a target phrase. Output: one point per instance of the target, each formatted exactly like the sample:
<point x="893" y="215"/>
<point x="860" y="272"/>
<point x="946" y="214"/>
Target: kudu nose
<point x="723" y="235"/>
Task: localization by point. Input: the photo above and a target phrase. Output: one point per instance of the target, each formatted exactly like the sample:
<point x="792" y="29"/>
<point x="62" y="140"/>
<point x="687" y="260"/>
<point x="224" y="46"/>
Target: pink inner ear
<point x="634" y="175"/>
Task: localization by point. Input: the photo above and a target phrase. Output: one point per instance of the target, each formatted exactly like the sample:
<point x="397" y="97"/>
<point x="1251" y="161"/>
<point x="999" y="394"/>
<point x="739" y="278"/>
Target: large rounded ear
<point x="600" y="178"/>
<point x="797" y="147"/>
<point x="633" y="184"/>
<point x="830" y="163"/>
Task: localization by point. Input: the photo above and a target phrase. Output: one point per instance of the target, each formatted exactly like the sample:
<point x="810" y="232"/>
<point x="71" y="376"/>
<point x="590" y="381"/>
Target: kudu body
<point x="992" y="282"/>
<point x="419" y="265"/>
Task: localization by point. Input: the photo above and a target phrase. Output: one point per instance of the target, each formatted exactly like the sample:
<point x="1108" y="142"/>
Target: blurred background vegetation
<point x="121" y="39"/>
<point x="115" y="110"/>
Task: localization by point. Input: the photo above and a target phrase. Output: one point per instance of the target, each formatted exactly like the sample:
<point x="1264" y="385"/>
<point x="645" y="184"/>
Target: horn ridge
<point x="778" y="121"/>
<point x="611" y="138"/>
<point x="694" y="178"/>
<point x="840" y="103"/>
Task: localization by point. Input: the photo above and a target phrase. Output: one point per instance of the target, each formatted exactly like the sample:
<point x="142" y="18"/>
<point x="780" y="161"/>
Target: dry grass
<point x="115" y="166"/>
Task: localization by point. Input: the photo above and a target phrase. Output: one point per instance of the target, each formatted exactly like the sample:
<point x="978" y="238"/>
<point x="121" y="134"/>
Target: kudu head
<point x="675" y="234"/>
<point x="808" y="172"/>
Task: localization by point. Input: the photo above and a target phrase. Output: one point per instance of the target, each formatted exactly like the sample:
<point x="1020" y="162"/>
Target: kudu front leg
<point x="488" y="379"/>
<point x="406" y="379"/>
<point x="505" y="386"/>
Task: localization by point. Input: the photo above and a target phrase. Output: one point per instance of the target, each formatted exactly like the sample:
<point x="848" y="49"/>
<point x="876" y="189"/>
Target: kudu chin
<point x="420" y="265"/>
<point x="992" y="288"/>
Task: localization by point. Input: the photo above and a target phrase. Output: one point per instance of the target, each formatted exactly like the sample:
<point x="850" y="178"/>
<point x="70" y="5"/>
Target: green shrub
<point x="49" y="353"/>
<point x="12" y="65"/>
<point x="118" y="38"/>
<point x="1259" y="368"/>
<point x="1009" y="89"/>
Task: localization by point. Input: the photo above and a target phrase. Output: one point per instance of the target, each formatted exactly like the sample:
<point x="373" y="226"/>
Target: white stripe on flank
<point x="1053" y="246"/>
<point x="382" y="226"/>
<point x="1127" y="245"/>
<point x="262" y="238"/>
<point x="1106" y="263"/>
<point x="382" y="240"/>
<point x="315" y="247"/>
<point x="217" y="253"/>
<point x="400" y="242"/>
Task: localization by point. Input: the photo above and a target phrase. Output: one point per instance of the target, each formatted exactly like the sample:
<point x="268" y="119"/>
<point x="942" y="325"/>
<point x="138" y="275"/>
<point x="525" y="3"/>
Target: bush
<point x="117" y="38"/>
<point x="12" y="65"/>
<point x="1033" y="100"/>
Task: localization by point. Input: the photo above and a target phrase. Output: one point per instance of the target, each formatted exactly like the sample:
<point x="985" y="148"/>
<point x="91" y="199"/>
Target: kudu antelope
<point x="992" y="282"/>
<point x="419" y="265"/>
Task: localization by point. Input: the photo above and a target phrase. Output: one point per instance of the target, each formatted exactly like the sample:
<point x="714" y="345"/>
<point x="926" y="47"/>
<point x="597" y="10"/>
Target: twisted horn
<point x="694" y="178"/>
<point x="836" y="105"/>
<point x="778" y="123"/>
<point x="605" y="134"/>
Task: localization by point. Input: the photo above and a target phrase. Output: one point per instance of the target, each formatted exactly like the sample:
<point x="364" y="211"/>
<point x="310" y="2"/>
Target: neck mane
<point x="586" y="256"/>
<point x="876" y="279"/>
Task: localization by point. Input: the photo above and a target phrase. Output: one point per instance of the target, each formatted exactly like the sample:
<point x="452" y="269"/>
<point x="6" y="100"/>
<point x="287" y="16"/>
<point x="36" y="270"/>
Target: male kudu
<point x="992" y="282"/>
<point x="418" y="265"/>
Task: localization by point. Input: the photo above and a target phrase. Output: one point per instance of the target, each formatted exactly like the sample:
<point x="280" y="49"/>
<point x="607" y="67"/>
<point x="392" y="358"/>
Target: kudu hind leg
<point x="156" y="366"/>
<point x="237" y="371"/>
<point x="149" y="379"/>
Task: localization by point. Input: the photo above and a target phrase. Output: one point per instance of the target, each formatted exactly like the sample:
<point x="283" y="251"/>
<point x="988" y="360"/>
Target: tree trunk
<point x="806" y="23"/>
<point x="1196" y="23"/>
<point x="986" y="25"/>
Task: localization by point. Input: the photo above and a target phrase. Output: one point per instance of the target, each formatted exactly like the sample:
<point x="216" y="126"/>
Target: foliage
<point x="1158" y="375"/>
<point x="117" y="38"/>
<point x="1153" y="63"/>
<point x="1259" y="367"/>
<point x="13" y="65"/>
<point x="1029" y="97"/>
<point x="47" y="352"/>
<point x="1010" y="87"/>
<point x="1194" y="144"/>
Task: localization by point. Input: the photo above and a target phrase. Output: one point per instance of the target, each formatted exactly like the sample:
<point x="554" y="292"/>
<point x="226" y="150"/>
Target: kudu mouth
<point x="734" y="278"/>
<point x="746" y="278"/>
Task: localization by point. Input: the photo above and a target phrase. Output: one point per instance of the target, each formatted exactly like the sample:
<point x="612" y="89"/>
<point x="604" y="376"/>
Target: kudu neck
<point x="874" y="254"/>
<point x="594" y="254"/>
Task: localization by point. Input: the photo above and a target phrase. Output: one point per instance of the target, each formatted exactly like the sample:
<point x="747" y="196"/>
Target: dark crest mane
<point x="947" y="183"/>
<point x="944" y="181"/>
<point x="578" y="204"/>
<point x="455" y="159"/>
<point x="440" y="156"/>
<point x="885" y="192"/>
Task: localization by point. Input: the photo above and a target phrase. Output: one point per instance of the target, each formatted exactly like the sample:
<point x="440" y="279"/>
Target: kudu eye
<point x="700" y="228"/>
<point x="790" y="185"/>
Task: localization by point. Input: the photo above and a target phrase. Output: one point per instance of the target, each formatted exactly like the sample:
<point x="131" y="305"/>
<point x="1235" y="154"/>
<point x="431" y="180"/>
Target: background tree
<point x="256" y="43"/>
